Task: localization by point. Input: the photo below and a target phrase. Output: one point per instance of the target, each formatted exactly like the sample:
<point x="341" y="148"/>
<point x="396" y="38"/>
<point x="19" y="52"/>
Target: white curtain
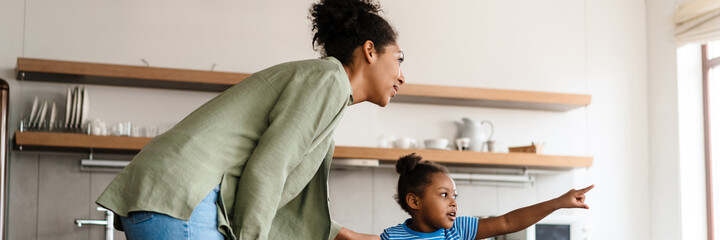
<point x="697" y="21"/>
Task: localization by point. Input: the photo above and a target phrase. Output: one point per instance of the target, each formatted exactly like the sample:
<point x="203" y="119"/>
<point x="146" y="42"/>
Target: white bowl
<point x="436" y="143"/>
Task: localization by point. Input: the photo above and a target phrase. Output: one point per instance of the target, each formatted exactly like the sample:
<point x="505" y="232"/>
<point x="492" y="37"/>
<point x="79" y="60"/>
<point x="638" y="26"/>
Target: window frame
<point x="708" y="64"/>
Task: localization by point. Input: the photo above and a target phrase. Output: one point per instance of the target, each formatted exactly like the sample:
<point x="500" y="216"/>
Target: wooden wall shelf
<point x="495" y="98"/>
<point x="75" y="141"/>
<point x="40" y="140"/>
<point x="466" y="157"/>
<point x="30" y="69"/>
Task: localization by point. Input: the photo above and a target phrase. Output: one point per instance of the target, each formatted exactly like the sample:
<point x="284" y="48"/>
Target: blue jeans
<point x="203" y="223"/>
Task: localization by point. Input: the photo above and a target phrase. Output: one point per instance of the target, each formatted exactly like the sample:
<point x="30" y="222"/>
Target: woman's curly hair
<point x="340" y="26"/>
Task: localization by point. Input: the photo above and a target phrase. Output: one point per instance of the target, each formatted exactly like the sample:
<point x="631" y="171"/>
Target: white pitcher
<point x="476" y="133"/>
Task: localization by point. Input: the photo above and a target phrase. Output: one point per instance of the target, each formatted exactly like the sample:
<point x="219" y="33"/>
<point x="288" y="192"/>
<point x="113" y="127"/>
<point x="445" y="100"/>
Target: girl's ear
<point x="413" y="201"/>
<point x="369" y="51"/>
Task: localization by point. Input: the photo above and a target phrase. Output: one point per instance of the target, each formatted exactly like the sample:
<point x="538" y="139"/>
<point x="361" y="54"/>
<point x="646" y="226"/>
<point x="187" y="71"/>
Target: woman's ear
<point x="413" y="201"/>
<point x="369" y="51"/>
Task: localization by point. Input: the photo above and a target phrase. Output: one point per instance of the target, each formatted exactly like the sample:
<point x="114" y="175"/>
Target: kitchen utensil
<point x="136" y="131"/>
<point x="67" y="107"/>
<point x="121" y="129"/>
<point x="73" y="109"/>
<point x="405" y="143"/>
<point x="475" y="132"/>
<point x="462" y="144"/>
<point x="97" y="127"/>
<point x="385" y="141"/>
<point x="490" y="145"/>
<point x="85" y="107"/>
<point x="78" y="108"/>
<point x="436" y="143"/>
<point x="35" y="120"/>
<point x="53" y="113"/>
<point x="33" y="111"/>
<point x="41" y="115"/>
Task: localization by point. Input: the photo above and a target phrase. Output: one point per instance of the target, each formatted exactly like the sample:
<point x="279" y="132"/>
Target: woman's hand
<point x="347" y="234"/>
<point x="574" y="198"/>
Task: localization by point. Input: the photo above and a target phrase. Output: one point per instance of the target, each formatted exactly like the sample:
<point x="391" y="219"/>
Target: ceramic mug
<point x="462" y="144"/>
<point x="490" y="144"/>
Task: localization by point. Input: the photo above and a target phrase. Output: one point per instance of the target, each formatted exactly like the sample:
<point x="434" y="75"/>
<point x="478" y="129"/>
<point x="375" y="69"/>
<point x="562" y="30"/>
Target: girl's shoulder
<point x="397" y="229"/>
<point x="396" y="232"/>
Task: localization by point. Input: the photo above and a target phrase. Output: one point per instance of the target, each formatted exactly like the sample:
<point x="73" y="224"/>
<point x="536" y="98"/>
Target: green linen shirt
<point x="267" y="141"/>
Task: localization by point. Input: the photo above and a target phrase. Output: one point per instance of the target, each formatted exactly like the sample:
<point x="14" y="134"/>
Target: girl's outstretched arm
<point x="522" y="218"/>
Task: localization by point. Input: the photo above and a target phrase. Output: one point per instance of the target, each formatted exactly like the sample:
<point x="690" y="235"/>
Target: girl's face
<point x="437" y="207"/>
<point x="385" y="76"/>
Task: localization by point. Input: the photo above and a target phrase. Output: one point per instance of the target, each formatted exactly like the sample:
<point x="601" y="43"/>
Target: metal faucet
<point x="108" y="222"/>
<point x="80" y="223"/>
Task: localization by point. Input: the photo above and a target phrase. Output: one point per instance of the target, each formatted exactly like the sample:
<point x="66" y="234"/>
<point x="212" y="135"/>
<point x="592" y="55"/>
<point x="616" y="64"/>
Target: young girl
<point x="427" y="193"/>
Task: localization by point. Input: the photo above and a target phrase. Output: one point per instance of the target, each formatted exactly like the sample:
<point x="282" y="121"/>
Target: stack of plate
<point x="38" y="114"/>
<point x="75" y="113"/>
<point x="77" y="108"/>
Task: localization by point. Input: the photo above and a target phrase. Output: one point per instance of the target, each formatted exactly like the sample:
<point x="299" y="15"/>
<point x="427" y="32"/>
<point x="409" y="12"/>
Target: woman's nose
<point x="401" y="78"/>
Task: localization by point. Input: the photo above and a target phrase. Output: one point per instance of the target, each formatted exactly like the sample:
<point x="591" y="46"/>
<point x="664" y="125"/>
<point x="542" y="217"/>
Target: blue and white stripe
<point x="464" y="228"/>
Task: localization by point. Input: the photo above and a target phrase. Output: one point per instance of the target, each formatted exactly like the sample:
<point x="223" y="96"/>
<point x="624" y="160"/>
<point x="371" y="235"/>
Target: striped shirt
<point x="464" y="228"/>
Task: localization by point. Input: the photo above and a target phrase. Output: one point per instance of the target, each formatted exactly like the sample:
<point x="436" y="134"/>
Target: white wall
<point x="663" y="113"/>
<point x="677" y="160"/>
<point x="594" y="47"/>
<point x="11" y="26"/>
<point x="618" y="119"/>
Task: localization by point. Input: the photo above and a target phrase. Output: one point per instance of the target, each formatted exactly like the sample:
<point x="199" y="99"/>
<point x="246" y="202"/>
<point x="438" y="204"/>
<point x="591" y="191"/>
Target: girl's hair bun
<point x="415" y="175"/>
<point x="407" y="163"/>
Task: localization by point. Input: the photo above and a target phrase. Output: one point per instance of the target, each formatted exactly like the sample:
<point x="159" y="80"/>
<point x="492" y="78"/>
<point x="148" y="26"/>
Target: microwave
<point x="552" y="228"/>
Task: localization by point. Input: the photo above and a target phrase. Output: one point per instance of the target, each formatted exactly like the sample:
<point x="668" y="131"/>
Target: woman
<point x="253" y="162"/>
